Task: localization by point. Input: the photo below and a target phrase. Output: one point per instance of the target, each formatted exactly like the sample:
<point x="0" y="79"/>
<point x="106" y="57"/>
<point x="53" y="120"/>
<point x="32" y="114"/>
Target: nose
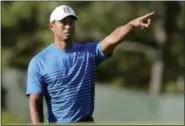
<point x="67" y="26"/>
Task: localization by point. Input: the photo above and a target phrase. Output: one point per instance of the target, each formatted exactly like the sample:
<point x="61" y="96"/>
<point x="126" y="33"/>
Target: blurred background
<point x="142" y="82"/>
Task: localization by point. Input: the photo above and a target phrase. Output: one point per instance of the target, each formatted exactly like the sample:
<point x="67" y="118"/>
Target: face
<point x="64" y="29"/>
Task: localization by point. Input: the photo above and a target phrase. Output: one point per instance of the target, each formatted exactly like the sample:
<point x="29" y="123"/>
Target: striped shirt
<point x="66" y="79"/>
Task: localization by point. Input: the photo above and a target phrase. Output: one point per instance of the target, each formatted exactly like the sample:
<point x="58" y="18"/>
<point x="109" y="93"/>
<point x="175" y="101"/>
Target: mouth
<point x="67" y="33"/>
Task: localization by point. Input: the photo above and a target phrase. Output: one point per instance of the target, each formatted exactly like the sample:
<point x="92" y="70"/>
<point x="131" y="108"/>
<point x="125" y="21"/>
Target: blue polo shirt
<point x="66" y="78"/>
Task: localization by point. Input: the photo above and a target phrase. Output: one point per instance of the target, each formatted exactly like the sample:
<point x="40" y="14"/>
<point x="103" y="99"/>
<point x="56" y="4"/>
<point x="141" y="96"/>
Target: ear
<point x="51" y="26"/>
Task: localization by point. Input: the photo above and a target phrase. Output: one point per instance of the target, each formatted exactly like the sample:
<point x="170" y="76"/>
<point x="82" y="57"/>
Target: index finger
<point x="148" y="15"/>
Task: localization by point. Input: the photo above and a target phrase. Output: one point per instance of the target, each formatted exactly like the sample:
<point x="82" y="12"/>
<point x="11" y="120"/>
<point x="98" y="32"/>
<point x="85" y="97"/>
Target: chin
<point x="67" y="39"/>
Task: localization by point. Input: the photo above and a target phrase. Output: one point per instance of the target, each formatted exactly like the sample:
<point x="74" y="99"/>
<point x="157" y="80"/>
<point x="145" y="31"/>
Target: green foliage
<point x="25" y="32"/>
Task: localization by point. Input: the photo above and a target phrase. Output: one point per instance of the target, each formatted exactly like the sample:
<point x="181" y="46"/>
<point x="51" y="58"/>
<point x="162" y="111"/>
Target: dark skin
<point x="36" y="108"/>
<point x="63" y="31"/>
<point x="63" y="38"/>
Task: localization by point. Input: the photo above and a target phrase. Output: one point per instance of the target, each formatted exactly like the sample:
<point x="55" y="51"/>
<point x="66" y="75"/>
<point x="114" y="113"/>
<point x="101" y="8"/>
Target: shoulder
<point x="45" y="52"/>
<point x="91" y="45"/>
<point x="41" y="55"/>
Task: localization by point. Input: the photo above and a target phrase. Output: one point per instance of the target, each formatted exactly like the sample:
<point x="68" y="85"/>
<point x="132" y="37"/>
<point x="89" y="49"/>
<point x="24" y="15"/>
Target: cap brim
<point x="74" y="16"/>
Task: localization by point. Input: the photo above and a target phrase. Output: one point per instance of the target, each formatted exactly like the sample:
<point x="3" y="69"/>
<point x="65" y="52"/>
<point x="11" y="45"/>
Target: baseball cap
<point x="61" y="12"/>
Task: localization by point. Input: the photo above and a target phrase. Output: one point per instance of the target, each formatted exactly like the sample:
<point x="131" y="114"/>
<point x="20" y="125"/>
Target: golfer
<point x="64" y="72"/>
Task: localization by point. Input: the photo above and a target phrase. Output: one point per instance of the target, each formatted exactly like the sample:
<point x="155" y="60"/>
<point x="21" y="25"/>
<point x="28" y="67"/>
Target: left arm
<point x="111" y="41"/>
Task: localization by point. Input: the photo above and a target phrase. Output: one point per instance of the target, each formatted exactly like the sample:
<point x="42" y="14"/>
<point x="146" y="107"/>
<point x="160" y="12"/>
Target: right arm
<point x="109" y="43"/>
<point x="36" y="108"/>
<point x="35" y="92"/>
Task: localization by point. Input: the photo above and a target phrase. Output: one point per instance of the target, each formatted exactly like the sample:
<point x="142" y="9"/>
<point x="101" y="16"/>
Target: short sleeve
<point x="100" y="57"/>
<point x="34" y="78"/>
<point x="96" y="48"/>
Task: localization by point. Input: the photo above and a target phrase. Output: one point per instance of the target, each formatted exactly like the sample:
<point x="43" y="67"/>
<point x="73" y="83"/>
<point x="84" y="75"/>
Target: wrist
<point x="130" y="25"/>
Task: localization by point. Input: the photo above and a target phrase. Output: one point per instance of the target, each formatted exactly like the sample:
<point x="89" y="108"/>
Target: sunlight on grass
<point x="7" y="118"/>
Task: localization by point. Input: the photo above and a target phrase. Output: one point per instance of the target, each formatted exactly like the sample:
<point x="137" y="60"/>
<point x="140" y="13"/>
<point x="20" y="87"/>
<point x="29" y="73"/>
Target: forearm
<point x="120" y="33"/>
<point x="111" y="41"/>
<point x="36" y="117"/>
<point x="36" y="113"/>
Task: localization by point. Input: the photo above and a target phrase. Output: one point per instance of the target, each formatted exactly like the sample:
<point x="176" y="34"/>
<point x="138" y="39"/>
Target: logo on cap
<point x="66" y="10"/>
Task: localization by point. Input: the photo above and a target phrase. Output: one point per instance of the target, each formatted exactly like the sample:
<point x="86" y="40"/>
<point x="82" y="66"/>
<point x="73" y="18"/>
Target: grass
<point x="8" y="118"/>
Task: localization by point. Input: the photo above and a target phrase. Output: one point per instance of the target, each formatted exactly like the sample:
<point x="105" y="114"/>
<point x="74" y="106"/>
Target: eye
<point x="68" y="21"/>
<point x="72" y="22"/>
<point x="63" y="21"/>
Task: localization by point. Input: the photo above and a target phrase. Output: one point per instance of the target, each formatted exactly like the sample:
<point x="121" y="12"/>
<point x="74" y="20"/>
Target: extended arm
<point x="111" y="41"/>
<point x="36" y="108"/>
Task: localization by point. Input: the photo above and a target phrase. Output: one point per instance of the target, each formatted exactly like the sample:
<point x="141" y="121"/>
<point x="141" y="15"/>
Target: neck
<point x="63" y="44"/>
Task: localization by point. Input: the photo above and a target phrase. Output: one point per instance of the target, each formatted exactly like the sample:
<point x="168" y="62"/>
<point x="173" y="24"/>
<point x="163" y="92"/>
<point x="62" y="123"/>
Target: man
<point x="64" y="72"/>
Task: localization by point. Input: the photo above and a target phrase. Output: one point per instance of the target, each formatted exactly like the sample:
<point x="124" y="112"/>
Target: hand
<point x="142" y="22"/>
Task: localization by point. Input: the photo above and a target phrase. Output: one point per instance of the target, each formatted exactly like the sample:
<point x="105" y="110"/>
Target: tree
<point x="146" y="59"/>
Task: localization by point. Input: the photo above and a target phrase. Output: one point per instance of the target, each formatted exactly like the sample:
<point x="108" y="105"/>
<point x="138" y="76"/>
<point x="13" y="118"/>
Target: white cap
<point x="61" y="12"/>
